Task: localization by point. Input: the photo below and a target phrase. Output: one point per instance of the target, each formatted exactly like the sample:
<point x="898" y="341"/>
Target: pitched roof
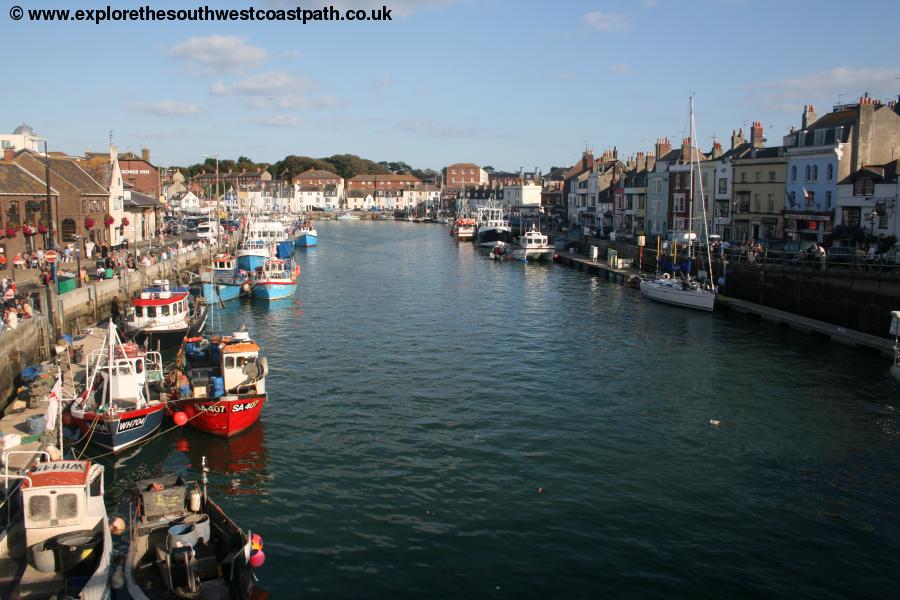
<point x="388" y="177"/>
<point x="317" y="174"/>
<point x="463" y="166"/>
<point x="138" y="200"/>
<point x="14" y="179"/>
<point x="886" y="173"/>
<point x="68" y="170"/>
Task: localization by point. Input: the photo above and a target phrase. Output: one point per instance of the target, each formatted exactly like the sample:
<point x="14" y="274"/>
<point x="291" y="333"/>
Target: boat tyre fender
<point x="666" y="276"/>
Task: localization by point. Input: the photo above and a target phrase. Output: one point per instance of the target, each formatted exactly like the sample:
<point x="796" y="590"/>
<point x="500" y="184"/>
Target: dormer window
<point x="864" y="186"/>
<point x="819" y="137"/>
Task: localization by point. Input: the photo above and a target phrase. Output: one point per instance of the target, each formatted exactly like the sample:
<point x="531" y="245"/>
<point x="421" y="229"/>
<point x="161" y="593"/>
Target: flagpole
<point x="59" y="410"/>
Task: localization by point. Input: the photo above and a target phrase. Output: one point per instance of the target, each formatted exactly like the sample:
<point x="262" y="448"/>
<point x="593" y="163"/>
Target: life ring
<point x="666" y="276"/>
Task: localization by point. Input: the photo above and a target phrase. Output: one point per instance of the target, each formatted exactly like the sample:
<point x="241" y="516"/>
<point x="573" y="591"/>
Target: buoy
<point x="117" y="526"/>
<point x="540" y="490"/>
<point x="257" y="558"/>
<point x="195" y="501"/>
<point x="256" y="540"/>
<point x="180" y="418"/>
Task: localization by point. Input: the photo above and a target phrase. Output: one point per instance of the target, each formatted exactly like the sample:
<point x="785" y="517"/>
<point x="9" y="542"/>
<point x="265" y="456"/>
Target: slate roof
<point x="886" y="173"/>
<point x="138" y="200"/>
<point x="16" y="180"/>
<point x="317" y="174"/>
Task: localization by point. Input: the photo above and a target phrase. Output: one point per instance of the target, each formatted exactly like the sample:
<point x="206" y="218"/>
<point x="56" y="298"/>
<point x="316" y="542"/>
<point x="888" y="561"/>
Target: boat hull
<point x="492" y="236"/>
<point x="221" y="291"/>
<point x="532" y="254"/>
<point x="274" y="291"/>
<point x="249" y="262"/>
<point x="669" y="292"/>
<point x="126" y="429"/>
<point x="306" y="240"/>
<point x="166" y="339"/>
<point x="225" y="416"/>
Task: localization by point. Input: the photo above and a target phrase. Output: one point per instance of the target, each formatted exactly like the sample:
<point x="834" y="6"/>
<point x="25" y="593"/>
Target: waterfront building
<point x="760" y="175"/>
<point x="462" y="175"/>
<point x="105" y="169"/>
<point x="606" y="183"/>
<point x="203" y="184"/>
<point x="830" y="149"/>
<point x="143" y="214"/>
<point x="317" y="189"/>
<point x="140" y="173"/>
<point x="23" y="200"/>
<point x="526" y="193"/>
<point x="83" y="202"/>
<point x="869" y="200"/>
<point x="658" y="189"/>
<point x="634" y="208"/>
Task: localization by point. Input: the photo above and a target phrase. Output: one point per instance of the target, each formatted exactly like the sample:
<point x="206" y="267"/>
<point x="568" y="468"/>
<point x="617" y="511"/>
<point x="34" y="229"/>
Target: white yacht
<point x="533" y="245"/>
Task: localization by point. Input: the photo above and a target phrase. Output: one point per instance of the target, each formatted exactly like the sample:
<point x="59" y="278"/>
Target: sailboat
<point x="685" y="291"/>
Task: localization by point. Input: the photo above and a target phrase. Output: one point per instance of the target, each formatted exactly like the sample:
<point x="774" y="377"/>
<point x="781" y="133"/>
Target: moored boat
<point x="220" y="384"/>
<point x="163" y="315"/>
<point x="492" y="227"/>
<point x="223" y="281"/>
<point x="59" y="544"/>
<point x="463" y="229"/>
<point x="533" y="245"/>
<point x="346" y="216"/>
<point x="680" y="292"/>
<point x="275" y="279"/>
<point x="305" y="235"/>
<point x="124" y="401"/>
<point x="183" y="545"/>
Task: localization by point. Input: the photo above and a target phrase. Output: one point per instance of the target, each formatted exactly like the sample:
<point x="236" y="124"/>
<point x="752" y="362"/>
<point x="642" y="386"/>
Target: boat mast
<point x="690" y="236"/>
<point x="109" y="364"/>
<point x="711" y="281"/>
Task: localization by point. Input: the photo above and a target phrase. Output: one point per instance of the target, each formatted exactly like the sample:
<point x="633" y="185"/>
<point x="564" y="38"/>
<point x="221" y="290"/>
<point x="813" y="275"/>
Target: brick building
<point x="140" y="173"/>
<point x="23" y="200"/>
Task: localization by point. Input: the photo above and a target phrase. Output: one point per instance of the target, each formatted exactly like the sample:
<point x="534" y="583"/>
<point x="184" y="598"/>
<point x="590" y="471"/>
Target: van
<point x="209" y="230"/>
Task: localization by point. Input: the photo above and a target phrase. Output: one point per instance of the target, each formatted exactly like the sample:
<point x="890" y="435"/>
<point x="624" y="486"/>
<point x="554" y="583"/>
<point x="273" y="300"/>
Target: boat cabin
<point x="228" y="365"/>
<point x="224" y="263"/>
<point x="160" y="306"/>
<point x="275" y="269"/>
<point x="61" y="537"/>
<point x="124" y="376"/>
<point x="534" y="239"/>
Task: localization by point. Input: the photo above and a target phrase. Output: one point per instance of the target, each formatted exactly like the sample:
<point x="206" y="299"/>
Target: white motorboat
<point x="534" y="245"/>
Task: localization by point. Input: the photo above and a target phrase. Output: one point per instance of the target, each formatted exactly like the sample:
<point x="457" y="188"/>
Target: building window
<point x="819" y="137"/>
<point x="771" y="176"/>
<point x="743" y="204"/>
<point x="829" y="172"/>
<point x="5" y="144"/>
<point x="757" y="176"/>
<point x="850" y="216"/>
<point x="808" y="172"/>
<point x="678" y="223"/>
<point x="810" y="199"/>
<point x="794" y="173"/>
<point x="864" y="186"/>
<point x="771" y="203"/>
<point x="756" y="206"/>
<point x="793" y="199"/>
<point x="744" y="177"/>
<point x="827" y="199"/>
<point x="723" y="185"/>
<point x="815" y="172"/>
<point x="679" y="203"/>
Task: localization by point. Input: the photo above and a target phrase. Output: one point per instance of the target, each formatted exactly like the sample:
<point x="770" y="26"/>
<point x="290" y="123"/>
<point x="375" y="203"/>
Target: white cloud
<point x="602" y="21"/>
<point x="294" y="54"/>
<point x="619" y="69"/>
<point x="272" y="83"/>
<point x="168" y="108"/>
<point x="218" y="54"/>
<point x="294" y="102"/>
<point x="281" y="121"/>
<point x="825" y="87"/>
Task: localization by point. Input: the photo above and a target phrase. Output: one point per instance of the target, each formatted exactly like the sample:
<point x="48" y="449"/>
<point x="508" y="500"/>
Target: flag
<point x="54" y="399"/>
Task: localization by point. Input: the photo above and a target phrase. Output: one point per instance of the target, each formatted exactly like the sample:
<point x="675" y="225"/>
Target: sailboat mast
<point x="109" y="363"/>
<point x="703" y="200"/>
<point x="691" y="187"/>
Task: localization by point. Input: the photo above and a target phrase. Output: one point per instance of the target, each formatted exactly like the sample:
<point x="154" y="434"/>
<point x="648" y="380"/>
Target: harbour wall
<point x="25" y="345"/>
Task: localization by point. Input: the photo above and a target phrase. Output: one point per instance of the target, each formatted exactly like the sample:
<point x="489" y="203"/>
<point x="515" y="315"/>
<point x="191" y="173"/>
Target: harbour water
<point x="441" y="424"/>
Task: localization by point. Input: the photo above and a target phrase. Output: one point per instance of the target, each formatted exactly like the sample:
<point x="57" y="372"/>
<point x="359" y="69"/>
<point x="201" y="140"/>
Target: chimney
<point x="737" y="138"/>
<point x="716" y="150"/>
<point x="686" y="149"/>
<point x="145" y="153"/>
<point x="640" y="162"/>
<point x="615" y="153"/>
<point x="113" y="153"/>
<point x="756" y="135"/>
<point x="8" y="154"/>
<point x="587" y="160"/>
<point x="663" y="147"/>
<point x="861" y="152"/>
<point x="651" y="161"/>
<point x="809" y="116"/>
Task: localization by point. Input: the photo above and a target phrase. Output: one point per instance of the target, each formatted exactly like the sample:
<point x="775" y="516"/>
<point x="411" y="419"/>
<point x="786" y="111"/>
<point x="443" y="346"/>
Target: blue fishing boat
<point x="276" y="278"/>
<point x="305" y="235"/>
<point x="123" y="403"/>
<point x="224" y="280"/>
<point x="253" y="253"/>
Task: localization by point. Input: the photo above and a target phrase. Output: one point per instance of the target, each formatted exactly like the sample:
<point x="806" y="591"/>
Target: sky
<point x="495" y="82"/>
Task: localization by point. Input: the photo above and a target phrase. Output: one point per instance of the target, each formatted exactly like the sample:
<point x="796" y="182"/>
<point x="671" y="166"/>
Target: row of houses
<point x="46" y="196"/>
<point x="837" y="173"/>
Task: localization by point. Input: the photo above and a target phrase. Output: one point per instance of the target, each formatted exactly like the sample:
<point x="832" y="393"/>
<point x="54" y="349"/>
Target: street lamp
<point x="78" y="258"/>
<point x="216" y="156"/>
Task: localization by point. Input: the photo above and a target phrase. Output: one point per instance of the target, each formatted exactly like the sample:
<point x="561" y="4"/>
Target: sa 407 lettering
<point x="244" y="406"/>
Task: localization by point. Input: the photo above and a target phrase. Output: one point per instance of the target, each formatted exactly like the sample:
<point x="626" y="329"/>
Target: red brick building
<point x="464" y="175"/>
<point x="317" y="177"/>
<point x="23" y="201"/>
<point x="140" y="173"/>
<point x="383" y="182"/>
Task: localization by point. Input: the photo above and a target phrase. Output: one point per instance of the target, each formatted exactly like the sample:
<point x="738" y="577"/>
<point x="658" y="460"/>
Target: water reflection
<point x="242" y="459"/>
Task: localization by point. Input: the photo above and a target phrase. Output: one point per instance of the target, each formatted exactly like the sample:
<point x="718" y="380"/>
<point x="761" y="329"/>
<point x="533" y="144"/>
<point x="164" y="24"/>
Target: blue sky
<point x="510" y="84"/>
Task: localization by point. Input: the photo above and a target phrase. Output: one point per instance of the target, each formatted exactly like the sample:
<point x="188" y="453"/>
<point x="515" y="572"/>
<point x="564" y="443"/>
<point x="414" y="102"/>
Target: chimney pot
<point x="8" y="155"/>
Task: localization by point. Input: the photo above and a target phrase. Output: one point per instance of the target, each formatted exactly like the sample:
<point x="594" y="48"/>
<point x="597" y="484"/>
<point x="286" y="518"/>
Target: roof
<point x="15" y="179"/>
<point x="463" y="166"/>
<point x="388" y="177"/>
<point x="68" y="169"/>
<point x="886" y="173"/>
<point x="139" y="200"/>
<point x="317" y="174"/>
<point x="58" y="473"/>
<point x="241" y="347"/>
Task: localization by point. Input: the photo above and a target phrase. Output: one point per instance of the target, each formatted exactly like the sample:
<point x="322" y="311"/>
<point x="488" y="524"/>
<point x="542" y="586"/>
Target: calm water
<point x="421" y="395"/>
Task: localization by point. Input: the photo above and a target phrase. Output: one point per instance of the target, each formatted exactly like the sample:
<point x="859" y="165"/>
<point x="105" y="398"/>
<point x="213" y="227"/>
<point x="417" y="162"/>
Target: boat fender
<point x="263" y="367"/>
<point x="666" y="276"/>
<point x="192" y="340"/>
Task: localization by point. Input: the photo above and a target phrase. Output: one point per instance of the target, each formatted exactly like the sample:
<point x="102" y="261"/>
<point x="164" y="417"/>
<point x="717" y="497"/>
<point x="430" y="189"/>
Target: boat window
<point x="96" y="486"/>
<point x="39" y="508"/>
<point x="229" y="362"/>
<point x="165" y="310"/>
<point x="240" y="361"/>
<point x="151" y="311"/>
<point x="139" y="311"/>
<point x="138" y="366"/>
<point x="66" y="506"/>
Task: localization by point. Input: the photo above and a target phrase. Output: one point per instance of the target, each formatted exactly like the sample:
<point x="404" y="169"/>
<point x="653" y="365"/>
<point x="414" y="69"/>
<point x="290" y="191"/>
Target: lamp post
<point x="78" y="258"/>
<point x="216" y="156"/>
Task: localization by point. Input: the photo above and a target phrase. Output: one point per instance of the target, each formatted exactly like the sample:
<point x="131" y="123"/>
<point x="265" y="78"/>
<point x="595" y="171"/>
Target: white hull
<point x="533" y="254"/>
<point x="671" y="291"/>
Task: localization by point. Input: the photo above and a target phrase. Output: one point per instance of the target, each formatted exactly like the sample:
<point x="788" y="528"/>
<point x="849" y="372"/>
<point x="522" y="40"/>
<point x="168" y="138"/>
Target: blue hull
<point x="285" y="249"/>
<point x="268" y="291"/>
<point x="249" y="263"/>
<point x="306" y="240"/>
<point x="226" y="291"/>
<point x="130" y="430"/>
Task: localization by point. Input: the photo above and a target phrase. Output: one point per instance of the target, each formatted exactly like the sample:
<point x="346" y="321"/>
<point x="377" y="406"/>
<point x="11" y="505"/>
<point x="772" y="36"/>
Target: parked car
<point x="190" y="225"/>
<point x="208" y="230"/>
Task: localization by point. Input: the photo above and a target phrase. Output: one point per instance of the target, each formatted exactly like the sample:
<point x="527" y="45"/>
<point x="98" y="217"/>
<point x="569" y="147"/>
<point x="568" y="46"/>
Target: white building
<point x="523" y="194"/>
<point x="23" y="137"/>
<point x="870" y="199"/>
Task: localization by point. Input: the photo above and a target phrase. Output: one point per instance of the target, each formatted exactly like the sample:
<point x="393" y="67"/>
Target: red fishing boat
<point x="220" y="384"/>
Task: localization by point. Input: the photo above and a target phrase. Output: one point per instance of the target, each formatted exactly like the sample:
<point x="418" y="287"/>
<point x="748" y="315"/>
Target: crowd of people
<point x="15" y="307"/>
